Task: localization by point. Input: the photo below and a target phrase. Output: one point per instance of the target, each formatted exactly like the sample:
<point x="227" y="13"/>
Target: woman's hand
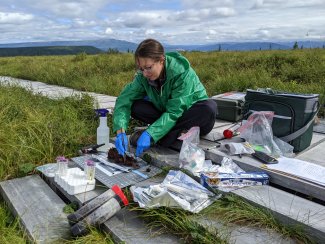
<point x="121" y="143"/>
<point x="143" y="143"/>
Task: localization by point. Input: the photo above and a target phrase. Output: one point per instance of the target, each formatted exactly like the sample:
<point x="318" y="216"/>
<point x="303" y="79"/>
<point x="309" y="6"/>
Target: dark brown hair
<point x="149" y="48"/>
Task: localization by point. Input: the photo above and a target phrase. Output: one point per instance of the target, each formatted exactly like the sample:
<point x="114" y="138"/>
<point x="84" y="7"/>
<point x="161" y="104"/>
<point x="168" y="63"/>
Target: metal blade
<point x="104" y="161"/>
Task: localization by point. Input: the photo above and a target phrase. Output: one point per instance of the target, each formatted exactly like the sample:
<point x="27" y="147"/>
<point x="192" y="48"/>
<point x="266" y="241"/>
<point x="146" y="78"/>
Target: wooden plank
<point x="243" y="234"/>
<point x="222" y="123"/>
<point x="316" y="139"/>
<point x="249" y="163"/>
<point x="39" y="209"/>
<point x="315" y="154"/>
<point x="289" y="209"/>
<point x="235" y="233"/>
<point x="125" y="226"/>
<point x="320" y="127"/>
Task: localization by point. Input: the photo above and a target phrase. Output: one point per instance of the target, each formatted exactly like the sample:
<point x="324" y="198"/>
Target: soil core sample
<point x="118" y="159"/>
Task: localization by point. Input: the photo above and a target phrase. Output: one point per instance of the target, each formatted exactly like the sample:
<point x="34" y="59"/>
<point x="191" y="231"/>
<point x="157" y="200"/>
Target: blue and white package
<point x="231" y="181"/>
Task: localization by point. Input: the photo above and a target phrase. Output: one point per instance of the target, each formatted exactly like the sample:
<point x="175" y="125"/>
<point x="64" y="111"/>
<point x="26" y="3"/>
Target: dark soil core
<point x="118" y="159"/>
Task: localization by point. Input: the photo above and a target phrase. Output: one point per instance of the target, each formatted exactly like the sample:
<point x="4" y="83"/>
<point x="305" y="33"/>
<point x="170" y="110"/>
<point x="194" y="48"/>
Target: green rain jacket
<point x="182" y="88"/>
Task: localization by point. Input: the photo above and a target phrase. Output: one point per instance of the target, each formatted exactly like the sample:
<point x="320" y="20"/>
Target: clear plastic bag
<point x="191" y="156"/>
<point x="286" y="148"/>
<point x="257" y="130"/>
<point x="177" y="190"/>
<point x="228" y="166"/>
<point x="233" y="148"/>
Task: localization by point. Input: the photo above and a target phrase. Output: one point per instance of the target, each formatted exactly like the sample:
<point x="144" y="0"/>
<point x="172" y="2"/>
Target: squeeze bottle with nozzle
<point x="102" y="130"/>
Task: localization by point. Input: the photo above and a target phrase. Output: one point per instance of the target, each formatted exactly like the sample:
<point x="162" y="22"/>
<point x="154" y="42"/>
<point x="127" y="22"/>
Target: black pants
<point x="202" y="114"/>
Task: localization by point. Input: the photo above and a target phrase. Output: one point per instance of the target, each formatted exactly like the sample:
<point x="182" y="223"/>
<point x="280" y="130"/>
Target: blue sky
<point x="172" y="22"/>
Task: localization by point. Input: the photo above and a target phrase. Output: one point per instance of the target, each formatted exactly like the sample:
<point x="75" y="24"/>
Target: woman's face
<point x="150" y="68"/>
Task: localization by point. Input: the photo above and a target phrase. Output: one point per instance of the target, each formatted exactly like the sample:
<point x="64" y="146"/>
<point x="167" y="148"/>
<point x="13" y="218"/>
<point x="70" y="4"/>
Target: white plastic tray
<point x="75" y="181"/>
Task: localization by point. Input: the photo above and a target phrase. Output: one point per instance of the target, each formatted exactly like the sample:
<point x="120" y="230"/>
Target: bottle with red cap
<point x="97" y="211"/>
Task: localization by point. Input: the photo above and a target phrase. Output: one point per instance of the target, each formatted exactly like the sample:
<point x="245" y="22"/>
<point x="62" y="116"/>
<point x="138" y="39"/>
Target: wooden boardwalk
<point x="40" y="210"/>
<point x="56" y="92"/>
<point x="287" y="206"/>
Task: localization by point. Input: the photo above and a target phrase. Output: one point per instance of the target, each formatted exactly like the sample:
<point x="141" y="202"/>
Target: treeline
<point x="49" y="50"/>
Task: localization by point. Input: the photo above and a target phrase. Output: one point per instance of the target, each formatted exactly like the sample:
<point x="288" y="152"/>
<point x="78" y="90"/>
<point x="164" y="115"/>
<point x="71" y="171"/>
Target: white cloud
<point x="288" y="3"/>
<point x="258" y="4"/>
<point x="78" y="22"/>
<point x="202" y="14"/>
<point x="108" y="31"/>
<point x="14" y="18"/>
<point x="175" y="21"/>
<point x="150" y="32"/>
<point x="63" y="8"/>
<point x="197" y="4"/>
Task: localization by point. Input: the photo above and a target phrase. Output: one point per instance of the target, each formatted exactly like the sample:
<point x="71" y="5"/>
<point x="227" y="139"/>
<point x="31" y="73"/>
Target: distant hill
<point x="247" y="46"/>
<point x="103" y="44"/>
<point x="51" y="50"/>
<point x="241" y="46"/>
<point x="125" y="46"/>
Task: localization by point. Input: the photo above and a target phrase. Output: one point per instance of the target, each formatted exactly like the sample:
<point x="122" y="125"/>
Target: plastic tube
<point x="62" y="165"/>
<point x="90" y="169"/>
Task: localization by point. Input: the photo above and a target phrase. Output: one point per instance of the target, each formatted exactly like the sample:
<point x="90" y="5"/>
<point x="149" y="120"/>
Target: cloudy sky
<point x="172" y="22"/>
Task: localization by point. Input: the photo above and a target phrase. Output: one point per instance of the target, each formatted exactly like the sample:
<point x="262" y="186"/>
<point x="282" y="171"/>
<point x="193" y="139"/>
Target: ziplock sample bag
<point x="191" y="156"/>
<point x="177" y="190"/>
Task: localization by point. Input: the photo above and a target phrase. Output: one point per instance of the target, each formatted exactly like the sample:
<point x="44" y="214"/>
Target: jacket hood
<point x="175" y="59"/>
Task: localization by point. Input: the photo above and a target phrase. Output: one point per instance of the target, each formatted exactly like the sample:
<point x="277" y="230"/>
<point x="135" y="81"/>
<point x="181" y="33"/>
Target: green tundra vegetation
<point x="289" y="70"/>
<point x="35" y="129"/>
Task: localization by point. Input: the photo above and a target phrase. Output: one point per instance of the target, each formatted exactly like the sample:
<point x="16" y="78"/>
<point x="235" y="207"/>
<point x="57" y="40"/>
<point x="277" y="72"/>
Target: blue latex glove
<point x="121" y="143"/>
<point x="143" y="143"/>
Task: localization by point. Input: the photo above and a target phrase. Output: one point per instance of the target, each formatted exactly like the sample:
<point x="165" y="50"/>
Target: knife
<point x="104" y="161"/>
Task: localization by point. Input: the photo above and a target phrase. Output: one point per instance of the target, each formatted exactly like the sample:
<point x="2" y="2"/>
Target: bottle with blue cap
<point x="103" y="129"/>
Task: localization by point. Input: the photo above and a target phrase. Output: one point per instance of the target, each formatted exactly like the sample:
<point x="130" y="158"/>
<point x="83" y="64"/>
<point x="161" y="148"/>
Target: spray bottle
<point x="102" y="130"/>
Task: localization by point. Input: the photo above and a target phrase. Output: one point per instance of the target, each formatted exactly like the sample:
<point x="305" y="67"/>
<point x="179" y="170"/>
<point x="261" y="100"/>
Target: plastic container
<point x="74" y="182"/>
<point x="62" y="165"/>
<point x="230" y="106"/>
<point x="102" y="130"/>
<point x="90" y="169"/>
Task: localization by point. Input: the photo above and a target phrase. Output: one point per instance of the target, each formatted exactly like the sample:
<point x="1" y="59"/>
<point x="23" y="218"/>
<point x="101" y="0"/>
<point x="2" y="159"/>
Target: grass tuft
<point x="9" y="228"/>
<point x="234" y="209"/>
<point x="178" y="222"/>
